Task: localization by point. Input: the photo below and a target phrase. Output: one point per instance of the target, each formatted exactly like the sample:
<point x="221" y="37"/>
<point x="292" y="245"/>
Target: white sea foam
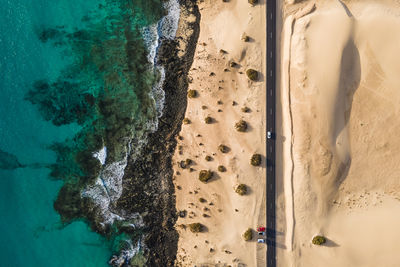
<point x="107" y="189"/>
<point x="128" y="253"/>
<point x="151" y="40"/>
<point x="168" y="25"/>
<point x="101" y="155"/>
<point x="166" y="28"/>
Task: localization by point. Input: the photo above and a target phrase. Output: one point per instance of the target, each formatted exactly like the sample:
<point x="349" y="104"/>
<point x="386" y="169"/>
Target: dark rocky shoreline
<point x="148" y="186"/>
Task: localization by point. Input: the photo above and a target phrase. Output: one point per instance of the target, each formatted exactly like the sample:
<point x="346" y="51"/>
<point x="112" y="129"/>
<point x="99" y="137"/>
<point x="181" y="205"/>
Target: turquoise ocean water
<point x="60" y="61"/>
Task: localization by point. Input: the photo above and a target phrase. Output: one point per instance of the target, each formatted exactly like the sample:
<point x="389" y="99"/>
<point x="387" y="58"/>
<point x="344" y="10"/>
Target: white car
<point x="269" y="134"/>
<point x="260" y="240"/>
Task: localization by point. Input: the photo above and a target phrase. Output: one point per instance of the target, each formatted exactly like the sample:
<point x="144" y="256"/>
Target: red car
<point x="261" y="229"/>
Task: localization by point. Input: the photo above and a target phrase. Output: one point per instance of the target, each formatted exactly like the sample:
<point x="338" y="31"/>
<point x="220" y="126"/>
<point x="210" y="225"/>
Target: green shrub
<point x="208" y="158"/>
<point x="208" y="120"/>
<point x="255" y="160"/>
<point x="248" y="235"/>
<point x="196" y="227"/>
<point x="241" y="126"/>
<point x="221" y="168"/>
<point x="192" y="93"/>
<point x="252" y="74"/>
<point x="186" y="121"/>
<point x="205" y="175"/>
<point x="223" y="148"/>
<point x="318" y="240"/>
<point x="241" y="189"/>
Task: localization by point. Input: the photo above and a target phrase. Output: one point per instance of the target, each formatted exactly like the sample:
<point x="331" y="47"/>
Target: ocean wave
<point x="168" y="25"/>
<point x="101" y="155"/>
<point x="127" y="253"/>
<point x="107" y="188"/>
<point x="153" y="35"/>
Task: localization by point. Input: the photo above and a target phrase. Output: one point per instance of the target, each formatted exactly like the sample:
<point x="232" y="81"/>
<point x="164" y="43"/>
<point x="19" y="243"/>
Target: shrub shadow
<point x="330" y="243"/>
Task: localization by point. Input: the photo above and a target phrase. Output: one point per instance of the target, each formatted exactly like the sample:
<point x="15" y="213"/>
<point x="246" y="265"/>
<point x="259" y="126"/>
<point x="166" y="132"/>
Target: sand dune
<point x="342" y="88"/>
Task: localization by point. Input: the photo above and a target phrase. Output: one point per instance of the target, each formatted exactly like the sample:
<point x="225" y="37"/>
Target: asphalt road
<point x="270" y="155"/>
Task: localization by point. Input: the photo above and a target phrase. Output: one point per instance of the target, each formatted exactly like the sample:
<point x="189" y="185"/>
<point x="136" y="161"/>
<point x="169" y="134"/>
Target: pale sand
<point x="222" y="25"/>
<point x="340" y="93"/>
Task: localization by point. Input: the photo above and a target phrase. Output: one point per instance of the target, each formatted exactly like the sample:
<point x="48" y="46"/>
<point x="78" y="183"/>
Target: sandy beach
<point x="340" y="124"/>
<point x="225" y="95"/>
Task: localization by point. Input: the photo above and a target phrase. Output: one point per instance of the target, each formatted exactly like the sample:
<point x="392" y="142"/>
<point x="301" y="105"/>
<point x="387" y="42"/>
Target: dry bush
<point x="196" y="227"/>
<point x="241" y="126"/>
<point x="241" y="189"/>
<point x="221" y="168"/>
<point x="255" y="160"/>
<point x="252" y="74"/>
<point x="248" y="235"/>
<point x="192" y="93"/>
<point x="223" y="148"/>
<point x="318" y="240"/>
<point x="205" y="175"/>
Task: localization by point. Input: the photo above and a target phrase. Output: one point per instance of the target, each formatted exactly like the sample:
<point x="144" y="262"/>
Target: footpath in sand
<point x="340" y="97"/>
<point x="226" y="95"/>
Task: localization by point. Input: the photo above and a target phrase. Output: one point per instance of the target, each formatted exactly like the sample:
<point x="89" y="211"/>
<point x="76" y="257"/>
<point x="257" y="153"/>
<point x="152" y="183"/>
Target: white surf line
<point x="287" y="128"/>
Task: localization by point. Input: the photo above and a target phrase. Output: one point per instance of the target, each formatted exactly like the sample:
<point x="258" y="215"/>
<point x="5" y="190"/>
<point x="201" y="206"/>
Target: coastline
<point x="148" y="188"/>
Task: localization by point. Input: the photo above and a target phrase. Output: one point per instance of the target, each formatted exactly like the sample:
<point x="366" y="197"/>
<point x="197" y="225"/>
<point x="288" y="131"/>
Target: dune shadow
<point x="349" y="81"/>
<point x="348" y="12"/>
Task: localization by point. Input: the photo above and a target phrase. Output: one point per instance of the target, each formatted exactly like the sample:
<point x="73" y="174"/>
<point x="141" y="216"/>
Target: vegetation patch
<point x="241" y="126"/>
<point x="208" y="120"/>
<point x="202" y="200"/>
<point x="192" y="93"/>
<point x="245" y="109"/>
<point x="223" y="148"/>
<point x="205" y="175"/>
<point x="252" y="74"/>
<point x="186" y="121"/>
<point x="253" y="2"/>
<point x="188" y="162"/>
<point x="208" y="158"/>
<point x="221" y="168"/>
<point x="196" y="227"/>
<point x="241" y="189"/>
<point x="318" y="240"/>
<point x="255" y="160"/>
<point x="248" y="235"/>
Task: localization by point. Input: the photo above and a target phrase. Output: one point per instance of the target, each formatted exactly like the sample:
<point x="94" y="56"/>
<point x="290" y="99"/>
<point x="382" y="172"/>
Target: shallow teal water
<point x="31" y="232"/>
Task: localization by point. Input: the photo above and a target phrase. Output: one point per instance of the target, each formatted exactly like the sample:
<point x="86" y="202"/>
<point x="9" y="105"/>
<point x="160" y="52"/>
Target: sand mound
<point x="342" y="92"/>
